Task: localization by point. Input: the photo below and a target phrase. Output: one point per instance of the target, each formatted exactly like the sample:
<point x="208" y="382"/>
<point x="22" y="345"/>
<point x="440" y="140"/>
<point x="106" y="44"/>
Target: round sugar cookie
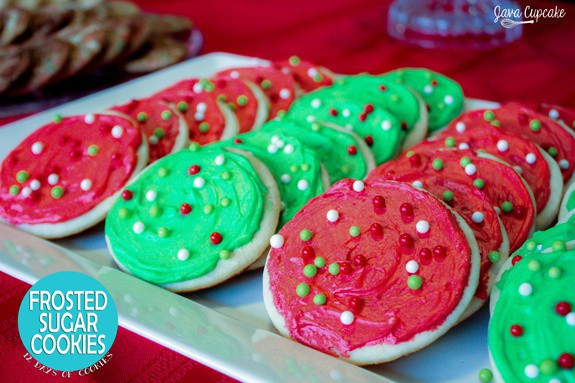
<point x="442" y="95"/>
<point x="562" y="115"/>
<point x="474" y="206"/>
<point x="194" y="218"/>
<point x="162" y="125"/>
<point x="64" y="177"/>
<point x="295" y="168"/>
<point x="376" y="125"/>
<point x="540" y="171"/>
<point x="307" y="76"/>
<point x="531" y="334"/>
<point x="370" y="271"/>
<point x="341" y="152"/>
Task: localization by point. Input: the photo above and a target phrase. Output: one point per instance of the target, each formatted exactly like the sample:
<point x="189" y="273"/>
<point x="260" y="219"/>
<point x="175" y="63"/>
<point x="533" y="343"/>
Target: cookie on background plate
<point x="370" y="272"/>
<point x="307" y="76"/>
<point x="64" y="177"/>
<point x="194" y="218"/>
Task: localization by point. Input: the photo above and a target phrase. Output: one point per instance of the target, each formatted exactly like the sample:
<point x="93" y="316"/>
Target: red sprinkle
<point x="376" y="230"/>
<point x="563" y="308"/>
<point x="352" y="150"/>
<point x="382" y="88"/>
<point x="356" y="304"/>
<point x="368" y="108"/>
<point x="425" y="254"/>
<point x="403" y="125"/>
<point x="378" y="202"/>
<point x="406" y="209"/>
<point x="405" y="240"/>
<point x="516" y="259"/>
<point x="359" y="260"/>
<point x="185" y="208"/>
<point x="566" y="360"/>
<point x="415" y="160"/>
<point x="516" y="330"/>
<point x="238" y="141"/>
<point x="194" y="169"/>
<point x="368" y="140"/>
<point x="333" y="112"/>
<point x="439" y="251"/>
<point x="308" y="252"/>
<point x="127" y="195"/>
<point x="434" y="82"/>
<point x="216" y="238"/>
<point x="362" y="117"/>
<point x="345" y="268"/>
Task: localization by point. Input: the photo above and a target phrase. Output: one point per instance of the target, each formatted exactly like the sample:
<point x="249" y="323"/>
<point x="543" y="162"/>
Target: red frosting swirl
<point x="558" y="113"/>
<point x="308" y="76"/>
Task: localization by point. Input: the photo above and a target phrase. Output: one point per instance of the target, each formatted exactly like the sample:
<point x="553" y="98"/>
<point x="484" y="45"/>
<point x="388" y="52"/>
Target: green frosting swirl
<point x="149" y="234"/>
<point x="296" y="169"/>
<point x="544" y="240"/>
<point x="533" y="355"/>
<point x="443" y="96"/>
<point x="322" y="106"/>
<point x="331" y="146"/>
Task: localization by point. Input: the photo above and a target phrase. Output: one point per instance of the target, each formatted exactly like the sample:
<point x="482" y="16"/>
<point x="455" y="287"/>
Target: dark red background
<point x="347" y="36"/>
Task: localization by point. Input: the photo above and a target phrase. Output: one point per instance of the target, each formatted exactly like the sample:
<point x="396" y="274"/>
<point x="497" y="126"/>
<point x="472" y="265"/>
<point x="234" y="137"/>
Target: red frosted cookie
<point x="278" y="87"/>
<point x="65" y="176"/>
<point x="562" y="115"/>
<point x="508" y="192"/>
<point x="307" y="75"/>
<point x="163" y="126"/>
<point x="474" y="206"/>
<point x="540" y="171"/>
<point x="370" y="271"/>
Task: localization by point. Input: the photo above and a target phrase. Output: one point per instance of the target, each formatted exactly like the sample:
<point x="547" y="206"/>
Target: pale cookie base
<point x="263" y="105"/>
<point x="564" y="213"/>
<point x="92" y="217"/>
<point x="243" y="256"/>
<point x="232" y="127"/>
<point x="182" y="137"/>
<point x="546" y="217"/>
<point x="386" y="352"/>
<point x="419" y="131"/>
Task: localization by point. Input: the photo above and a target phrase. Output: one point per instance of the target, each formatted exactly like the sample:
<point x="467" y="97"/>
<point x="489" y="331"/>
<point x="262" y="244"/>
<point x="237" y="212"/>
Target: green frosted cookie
<point x="567" y="209"/>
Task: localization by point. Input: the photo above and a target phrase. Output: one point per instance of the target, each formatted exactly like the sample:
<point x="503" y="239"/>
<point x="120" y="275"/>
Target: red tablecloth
<point x="348" y="36"/>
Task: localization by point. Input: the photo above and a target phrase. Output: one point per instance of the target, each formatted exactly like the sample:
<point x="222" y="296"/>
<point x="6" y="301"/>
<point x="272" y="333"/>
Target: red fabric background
<point x="348" y="36"/>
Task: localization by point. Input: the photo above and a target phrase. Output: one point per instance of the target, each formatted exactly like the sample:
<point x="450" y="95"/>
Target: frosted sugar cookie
<point x="307" y="76"/>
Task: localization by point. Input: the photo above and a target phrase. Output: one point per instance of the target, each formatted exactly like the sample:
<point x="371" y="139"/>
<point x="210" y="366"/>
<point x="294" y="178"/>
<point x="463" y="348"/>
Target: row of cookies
<point x="370" y="266"/>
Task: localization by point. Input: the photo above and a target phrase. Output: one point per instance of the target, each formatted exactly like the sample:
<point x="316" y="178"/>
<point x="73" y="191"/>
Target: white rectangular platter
<point x="225" y="327"/>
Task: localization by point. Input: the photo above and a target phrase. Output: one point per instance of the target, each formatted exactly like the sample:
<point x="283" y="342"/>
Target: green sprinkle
<point x="293" y="168"/>
<point x="410" y="153"/>
<point x="346" y="169"/>
<point x="302" y="290"/>
<point x="333" y="269"/>
<point x="319" y="262"/>
<point x="447" y="196"/>
<point x="450" y="142"/>
<point x="162" y="172"/>
<point x="305" y="167"/>
<point x="558" y="246"/>
<point x="57" y="192"/>
<point x="14" y="190"/>
<point x="225" y="254"/>
<point x="208" y="209"/>
<point x="194" y="147"/>
<point x="534" y="265"/>
<point x="142" y="117"/>
<point x="226" y="175"/>
<point x="22" y="176"/>
<point x="414" y="282"/>
<point x="315" y="127"/>
<point x="282" y="113"/>
<point x="222" y="98"/>
<point x="354" y="231"/>
<point x="310" y="271"/>
<point x="552" y="151"/>
<point x="535" y="125"/>
<point x="226" y="202"/>
<point x="57" y="118"/>
<point x="317" y="77"/>
<point x="207" y="85"/>
<point x="305" y="235"/>
<point x="494" y="256"/>
<point x="159" y="132"/>
<point x="232" y="107"/>
<point x="549" y="367"/>
<point x="437" y="164"/>
<point x="506" y="207"/>
<point x="266" y="84"/>
<point x="554" y="272"/>
<point x="123" y="213"/>
<point x="242" y="100"/>
<point x="154" y="211"/>
<point x="488" y="115"/>
<point x="479" y="183"/>
<point x="294" y="60"/>
<point x="183" y="106"/>
<point x="93" y="150"/>
<point x="485" y="375"/>
<point x="464" y="161"/>
<point x="319" y="299"/>
<point x="531" y="245"/>
<point x="163" y="232"/>
<point x="496" y="123"/>
<point x="394" y="97"/>
<point x="204" y="127"/>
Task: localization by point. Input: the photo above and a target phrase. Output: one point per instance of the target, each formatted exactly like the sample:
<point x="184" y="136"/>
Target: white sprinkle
<point x="153" y="140"/>
<point x="220" y="159"/>
<point x="531" y="371"/>
<point x="448" y="99"/>
<point x="518" y="169"/>
<point x="26" y="191"/>
<point x="37" y="147"/>
<point x="275" y="140"/>
<point x="183" y="254"/>
<point x="288" y="149"/>
<point x="89" y="118"/>
<point x="564" y="164"/>
<point x="463" y="146"/>
<point x="418" y="184"/>
<point x="272" y="149"/>
<point x="346" y="113"/>
<point x="422" y="227"/>
<point x="332" y="215"/>
<point x="502" y="145"/>
<point x="428" y="89"/>
<point x="201" y="107"/>
<point x="285" y="178"/>
<point x="234" y="74"/>
<point x="280" y="143"/>
<point x="386" y="125"/>
<point x="53" y="179"/>
<point x="285" y="94"/>
<point x="312" y="72"/>
<point x="530" y="158"/>
<point x="554" y="114"/>
<point x="347" y="317"/>
<point x="302" y="185"/>
<point x="35" y="185"/>
<point x="138" y="227"/>
<point x="554" y="380"/>
<point x="349" y="127"/>
<point x="285" y="70"/>
<point x="470" y="169"/>
<point x="117" y="131"/>
<point x="199" y="116"/>
<point x="86" y="184"/>
<point x="310" y="118"/>
<point x="315" y="103"/>
<point x="151" y="195"/>
<point x="358" y="186"/>
<point x="276" y="241"/>
<point x="198" y="87"/>
<point x="477" y="217"/>
<point x="412" y="266"/>
<point x="525" y="289"/>
<point x="570" y="318"/>
<point x="199" y="182"/>
<point x="460" y="127"/>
